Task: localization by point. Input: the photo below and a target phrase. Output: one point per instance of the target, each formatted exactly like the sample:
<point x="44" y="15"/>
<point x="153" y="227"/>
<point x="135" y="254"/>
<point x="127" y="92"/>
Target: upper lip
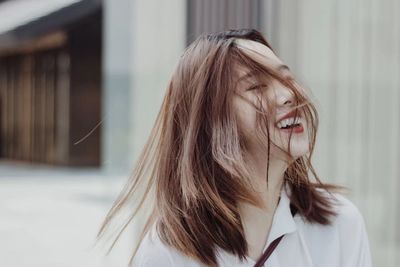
<point x="288" y="115"/>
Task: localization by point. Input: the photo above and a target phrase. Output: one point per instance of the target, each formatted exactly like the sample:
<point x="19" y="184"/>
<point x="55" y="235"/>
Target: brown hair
<point x="193" y="160"/>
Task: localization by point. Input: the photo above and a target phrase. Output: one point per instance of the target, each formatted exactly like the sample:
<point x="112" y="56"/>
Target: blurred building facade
<point x="346" y="52"/>
<point x="50" y="82"/>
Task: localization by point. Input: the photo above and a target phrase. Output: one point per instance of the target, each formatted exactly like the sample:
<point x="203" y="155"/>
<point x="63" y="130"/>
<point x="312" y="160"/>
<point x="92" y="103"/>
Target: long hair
<point x="192" y="164"/>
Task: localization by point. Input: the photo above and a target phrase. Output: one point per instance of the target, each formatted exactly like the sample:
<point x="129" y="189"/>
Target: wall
<point x="348" y="54"/>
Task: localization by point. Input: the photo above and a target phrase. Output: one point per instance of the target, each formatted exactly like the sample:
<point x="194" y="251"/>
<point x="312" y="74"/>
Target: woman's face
<point x="283" y="101"/>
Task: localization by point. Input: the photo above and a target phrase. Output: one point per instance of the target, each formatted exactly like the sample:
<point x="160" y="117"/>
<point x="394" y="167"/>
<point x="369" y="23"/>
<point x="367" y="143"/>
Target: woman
<point x="227" y="168"/>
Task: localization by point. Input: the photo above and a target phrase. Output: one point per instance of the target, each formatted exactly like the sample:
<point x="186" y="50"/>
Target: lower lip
<point x="297" y="129"/>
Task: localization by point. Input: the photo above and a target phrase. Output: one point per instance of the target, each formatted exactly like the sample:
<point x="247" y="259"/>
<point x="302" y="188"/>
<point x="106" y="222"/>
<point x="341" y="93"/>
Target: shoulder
<point x="351" y="231"/>
<point x="152" y="252"/>
<point x="349" y="221"/>
<point x="347" y="212"/>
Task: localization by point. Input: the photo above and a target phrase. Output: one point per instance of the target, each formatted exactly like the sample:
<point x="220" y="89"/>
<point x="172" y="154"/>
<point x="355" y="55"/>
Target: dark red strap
<point x="264" y="257"/>
<point x="268" y="252"/>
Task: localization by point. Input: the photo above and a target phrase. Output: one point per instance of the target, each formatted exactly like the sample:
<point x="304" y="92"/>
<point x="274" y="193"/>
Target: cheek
<point x="246" y="116"/>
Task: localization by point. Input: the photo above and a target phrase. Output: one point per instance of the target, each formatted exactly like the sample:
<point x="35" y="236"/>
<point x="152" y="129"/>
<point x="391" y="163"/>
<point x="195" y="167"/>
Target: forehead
<point x="259" y="52"/>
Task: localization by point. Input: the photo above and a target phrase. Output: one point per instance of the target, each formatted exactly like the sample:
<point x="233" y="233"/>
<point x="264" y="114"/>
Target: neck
<point x="269" y="192"/>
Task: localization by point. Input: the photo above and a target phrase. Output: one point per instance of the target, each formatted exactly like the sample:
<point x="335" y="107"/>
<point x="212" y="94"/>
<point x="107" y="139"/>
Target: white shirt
<point x="344" y="243"/>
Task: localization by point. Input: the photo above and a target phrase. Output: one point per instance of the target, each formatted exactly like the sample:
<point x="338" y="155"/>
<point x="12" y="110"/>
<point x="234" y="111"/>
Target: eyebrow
<point x="280" y="68"/>
<point x="283" y="67"/>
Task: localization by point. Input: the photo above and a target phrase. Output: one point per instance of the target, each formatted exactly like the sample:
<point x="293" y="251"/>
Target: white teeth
<point x="288" y="121"/>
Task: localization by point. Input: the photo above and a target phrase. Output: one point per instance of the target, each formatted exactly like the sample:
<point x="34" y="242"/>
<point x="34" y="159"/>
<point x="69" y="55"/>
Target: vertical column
<point x="158" y="39"/>
<point x="117" y="131"/>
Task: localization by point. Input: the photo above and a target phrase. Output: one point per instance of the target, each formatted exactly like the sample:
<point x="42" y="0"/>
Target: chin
<point x="299" y="150"/>
<point x="296" y="152"/>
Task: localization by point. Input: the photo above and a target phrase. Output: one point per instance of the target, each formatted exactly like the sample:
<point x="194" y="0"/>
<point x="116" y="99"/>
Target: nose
<point x="284" y="97"/>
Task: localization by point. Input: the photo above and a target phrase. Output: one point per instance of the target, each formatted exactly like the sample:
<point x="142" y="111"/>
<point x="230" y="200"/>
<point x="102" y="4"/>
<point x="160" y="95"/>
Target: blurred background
<point x="81" y="82"/>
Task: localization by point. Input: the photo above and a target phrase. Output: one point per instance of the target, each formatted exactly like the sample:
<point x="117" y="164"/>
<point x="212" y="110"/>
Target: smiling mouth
<point x="294" y="124"/>
<point x="296" y="128"/>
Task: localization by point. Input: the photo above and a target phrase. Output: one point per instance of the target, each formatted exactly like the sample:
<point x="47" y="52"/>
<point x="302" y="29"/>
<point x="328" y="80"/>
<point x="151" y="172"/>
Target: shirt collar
<point x="283" y="221"/>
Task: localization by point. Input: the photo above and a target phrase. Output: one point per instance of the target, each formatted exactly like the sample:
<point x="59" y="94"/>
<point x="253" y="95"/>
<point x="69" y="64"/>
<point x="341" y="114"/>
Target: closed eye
<point x="256" y="86"/>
